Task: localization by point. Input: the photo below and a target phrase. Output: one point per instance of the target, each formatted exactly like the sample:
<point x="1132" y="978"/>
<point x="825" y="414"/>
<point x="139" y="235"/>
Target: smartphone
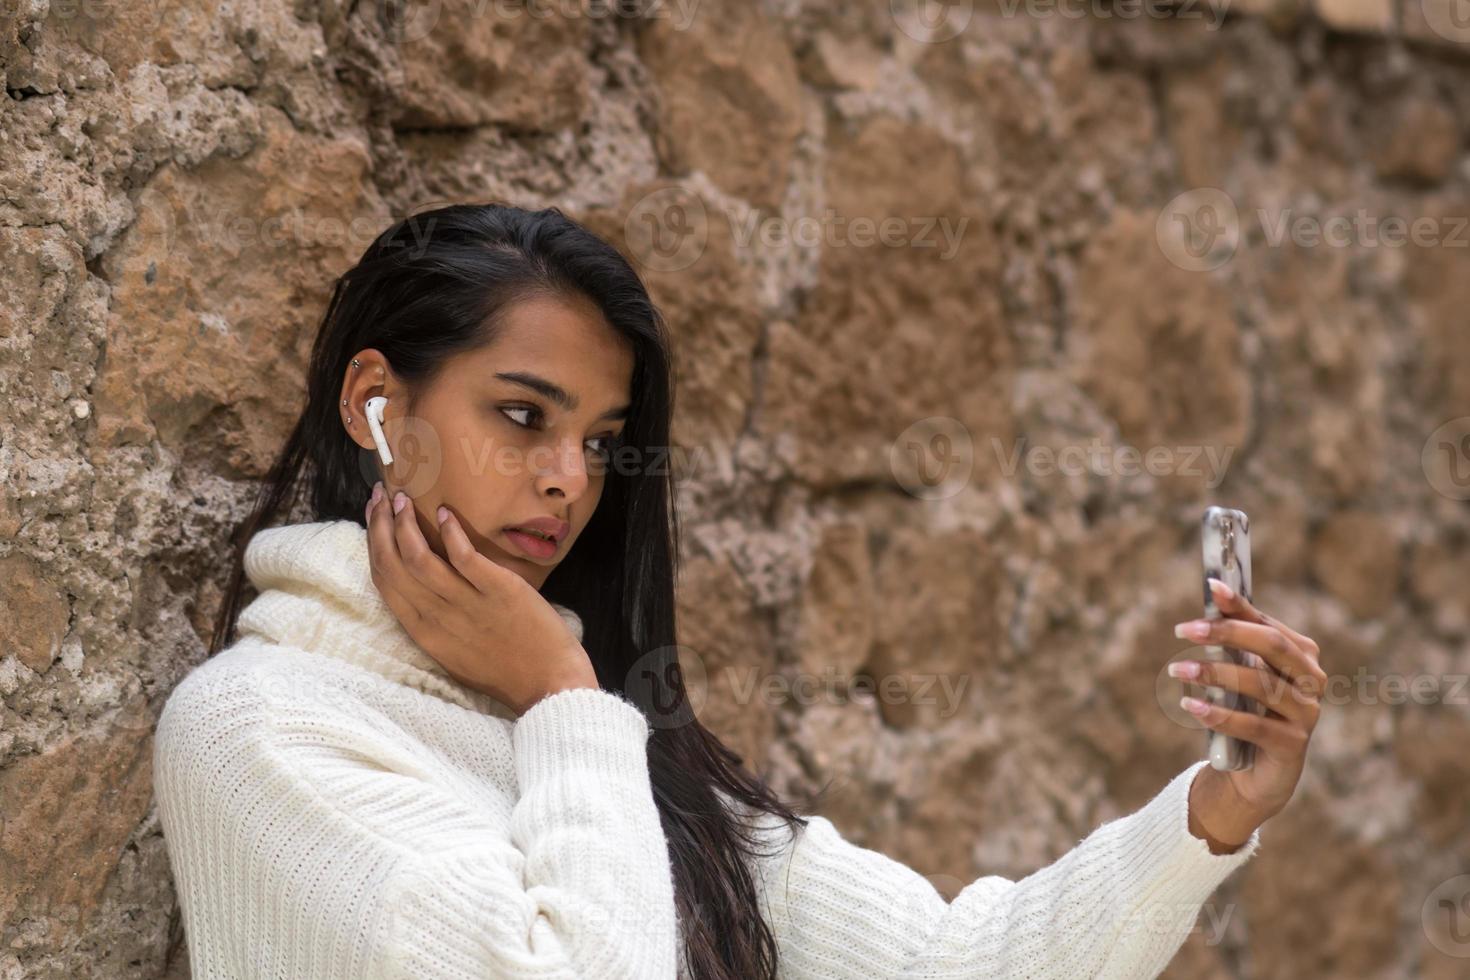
<point x="1226" y="534"/>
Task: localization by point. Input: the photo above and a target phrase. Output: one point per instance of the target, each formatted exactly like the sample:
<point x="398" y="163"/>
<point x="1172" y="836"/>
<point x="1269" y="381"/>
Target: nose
<point x="561" y="467"/>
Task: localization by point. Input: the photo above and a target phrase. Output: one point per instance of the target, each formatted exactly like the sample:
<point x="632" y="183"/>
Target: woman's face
<point x="519" y="430"/>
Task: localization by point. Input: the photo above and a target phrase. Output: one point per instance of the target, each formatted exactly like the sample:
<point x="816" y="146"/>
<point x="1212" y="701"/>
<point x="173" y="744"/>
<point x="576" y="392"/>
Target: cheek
<point x="478" y="454"/>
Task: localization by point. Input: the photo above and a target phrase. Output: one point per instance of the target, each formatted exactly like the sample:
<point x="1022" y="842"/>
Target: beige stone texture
<point x="975" y="677"/>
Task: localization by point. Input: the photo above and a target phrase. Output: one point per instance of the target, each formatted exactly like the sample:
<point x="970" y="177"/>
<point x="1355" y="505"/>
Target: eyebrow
<point x="555" y="393"/>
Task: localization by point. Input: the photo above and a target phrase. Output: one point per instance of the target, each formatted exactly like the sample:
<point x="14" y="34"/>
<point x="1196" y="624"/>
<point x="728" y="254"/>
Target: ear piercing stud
<point x="344" y="401"/>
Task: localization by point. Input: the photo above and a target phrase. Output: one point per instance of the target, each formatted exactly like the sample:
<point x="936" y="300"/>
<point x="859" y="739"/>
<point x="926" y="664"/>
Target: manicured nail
<point x="1221" y="589"/>
<point x="1193" y="705"/>
<point x="1194" y="630"/>
<point x="1184" y="668"/>
<point x="443" y="513"/>
<point x="399" y="501"/>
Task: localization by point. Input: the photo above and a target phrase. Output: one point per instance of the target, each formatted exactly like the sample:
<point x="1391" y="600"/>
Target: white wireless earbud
<point x="375" y="406"/>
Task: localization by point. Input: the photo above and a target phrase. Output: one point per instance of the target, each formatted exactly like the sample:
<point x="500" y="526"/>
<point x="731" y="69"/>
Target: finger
<point x="1285" y="698"/>
<point x="479" y="571"/>
<point x="1274" y="736"/>
<point x="1237" y="605"/>
<point x="418" y="559"/>
<point x="378" y="515"/>
<point x="1270" y="644"/>
<point x="389" y="572"/>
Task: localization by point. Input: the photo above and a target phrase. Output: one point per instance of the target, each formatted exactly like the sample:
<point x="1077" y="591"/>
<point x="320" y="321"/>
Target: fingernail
<point x="1194" y="630"/>
<point x="377" y="492"/>
<point x="399" y="500"/>
<point x="443" y="513"/>
<point x="1221" y="589"/>
<point x="1193" y="705"/>
<point x="1184" y="668"/>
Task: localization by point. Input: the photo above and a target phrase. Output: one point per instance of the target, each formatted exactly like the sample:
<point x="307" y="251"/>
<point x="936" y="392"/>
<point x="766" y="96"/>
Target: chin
<point x="514" y="561"/>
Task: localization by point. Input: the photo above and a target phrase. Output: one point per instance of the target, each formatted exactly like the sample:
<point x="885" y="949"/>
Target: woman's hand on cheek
<point x="485" y="625"/>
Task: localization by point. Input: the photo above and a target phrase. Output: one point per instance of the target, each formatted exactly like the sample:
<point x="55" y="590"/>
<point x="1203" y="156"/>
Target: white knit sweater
<point x="336" y="806"/>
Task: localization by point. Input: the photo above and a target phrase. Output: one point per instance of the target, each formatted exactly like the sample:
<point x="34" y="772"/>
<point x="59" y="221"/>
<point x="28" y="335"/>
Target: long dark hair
<point x="435" y="285"/>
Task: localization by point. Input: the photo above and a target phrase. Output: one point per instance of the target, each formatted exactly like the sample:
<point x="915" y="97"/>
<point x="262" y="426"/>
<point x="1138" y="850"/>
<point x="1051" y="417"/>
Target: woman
<point x="451" y="739"/>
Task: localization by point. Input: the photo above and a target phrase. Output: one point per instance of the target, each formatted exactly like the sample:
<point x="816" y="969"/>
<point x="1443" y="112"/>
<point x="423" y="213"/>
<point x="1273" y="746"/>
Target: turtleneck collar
<point x="317" y="594"/>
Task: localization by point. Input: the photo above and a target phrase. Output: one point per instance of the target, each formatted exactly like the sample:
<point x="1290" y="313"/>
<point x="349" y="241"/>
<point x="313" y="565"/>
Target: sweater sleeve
<point x="308" y="840"/>
<point x="590" y="893"/>
<point x="1118" y="905"/>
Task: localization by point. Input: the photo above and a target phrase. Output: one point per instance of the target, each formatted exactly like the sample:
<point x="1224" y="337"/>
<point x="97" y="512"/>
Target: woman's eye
<point x="520" y="408"/>
<point x="605" y="444"/>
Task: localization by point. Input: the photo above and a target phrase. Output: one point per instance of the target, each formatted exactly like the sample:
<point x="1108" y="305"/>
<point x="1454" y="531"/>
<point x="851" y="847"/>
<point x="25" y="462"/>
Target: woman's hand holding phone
<point x="485" y="625"/>
<point x="1229" y="805"/>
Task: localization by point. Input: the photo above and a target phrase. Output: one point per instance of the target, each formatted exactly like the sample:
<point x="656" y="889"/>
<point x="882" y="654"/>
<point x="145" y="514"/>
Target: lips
<point x="551" y="529"/>
<point x="531" y="545"/>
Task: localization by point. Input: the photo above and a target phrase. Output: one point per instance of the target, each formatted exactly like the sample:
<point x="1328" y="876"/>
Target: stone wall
<point x="917" y="268"/>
